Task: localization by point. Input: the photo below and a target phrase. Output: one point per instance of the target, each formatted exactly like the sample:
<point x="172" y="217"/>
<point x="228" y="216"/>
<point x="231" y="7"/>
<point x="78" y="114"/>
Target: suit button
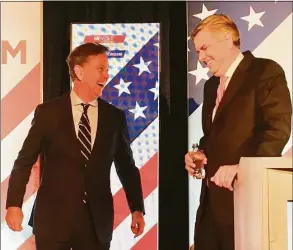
<point x="84" y="201"/>
<point x="85" y="193"/>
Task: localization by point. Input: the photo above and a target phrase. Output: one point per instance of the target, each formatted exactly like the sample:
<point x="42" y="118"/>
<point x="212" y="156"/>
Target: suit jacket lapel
<point x="235" y="83"/>
<point x="101" y="128"/>
<point x="68" y="127"/>
<point x="209" y="104"/>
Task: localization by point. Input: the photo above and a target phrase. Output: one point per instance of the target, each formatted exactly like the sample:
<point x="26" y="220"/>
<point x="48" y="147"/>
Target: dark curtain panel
<point x="173" y="181"/>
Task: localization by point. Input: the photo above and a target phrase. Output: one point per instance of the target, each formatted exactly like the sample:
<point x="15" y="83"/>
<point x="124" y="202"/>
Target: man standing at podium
<point x="246" y="113"/>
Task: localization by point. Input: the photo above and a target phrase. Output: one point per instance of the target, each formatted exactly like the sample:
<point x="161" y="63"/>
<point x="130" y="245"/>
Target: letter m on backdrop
<point x="7" y="48"/>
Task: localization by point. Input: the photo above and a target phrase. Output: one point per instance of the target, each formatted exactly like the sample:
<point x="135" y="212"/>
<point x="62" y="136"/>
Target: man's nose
<point x="106" y="76"/>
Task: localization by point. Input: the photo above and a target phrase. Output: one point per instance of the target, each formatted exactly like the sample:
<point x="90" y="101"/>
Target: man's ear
<point x="229" y="40"/>
<point x="78" y="71"/>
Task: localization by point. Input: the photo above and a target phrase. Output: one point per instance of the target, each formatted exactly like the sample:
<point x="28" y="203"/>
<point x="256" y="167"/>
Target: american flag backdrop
<point x="266" y="30"/>
<point x="133" y="86"/>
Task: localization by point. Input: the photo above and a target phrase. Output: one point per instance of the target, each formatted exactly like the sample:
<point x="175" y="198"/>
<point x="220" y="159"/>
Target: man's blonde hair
<point x="219" y="22"/>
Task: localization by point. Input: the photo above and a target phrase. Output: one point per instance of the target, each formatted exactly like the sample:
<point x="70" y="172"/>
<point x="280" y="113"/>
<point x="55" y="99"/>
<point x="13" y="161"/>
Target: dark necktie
<point x="84" y="133"/>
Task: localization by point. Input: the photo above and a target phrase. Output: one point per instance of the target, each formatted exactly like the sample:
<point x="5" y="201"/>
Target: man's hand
<point x="14" y="217"/>
<point x="190" y="157"/>
<point x="137" y="223"/>
<point x="225" y="176"/>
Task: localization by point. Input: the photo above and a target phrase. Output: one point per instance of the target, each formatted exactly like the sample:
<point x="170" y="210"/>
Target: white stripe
<point x="144" y="147"/>
<point x="194" y="134"/>
<point x="194" y="127"/>
<point x="84" y="155"/>
<point x="84" y="145"/>
<point x="123" y="237"/>
<point x="288" y="145"/>
<point x="88" y="122"/>
<point x="85" y="136"/>
<point x="194" y="187"/>
<point x="80" y="124"/>
<point x="11" y="145"/>
<point x="12" y="240"/>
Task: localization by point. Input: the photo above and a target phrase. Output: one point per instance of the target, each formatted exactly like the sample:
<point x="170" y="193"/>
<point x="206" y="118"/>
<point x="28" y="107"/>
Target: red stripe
<point x="29" y="244"/>
<point x="20" y="101"/>
<point x="149" y="178"/>
<point x="149" y="241"/>
<point x="31" y="188"/>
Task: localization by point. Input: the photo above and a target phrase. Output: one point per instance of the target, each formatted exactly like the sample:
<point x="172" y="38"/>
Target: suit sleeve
<point x="201" y="145"/>
<point x="127" y="172"/>
<point x="206" y="103"/>
<point x="23" y="164"/>
<point x="274" y="103"/>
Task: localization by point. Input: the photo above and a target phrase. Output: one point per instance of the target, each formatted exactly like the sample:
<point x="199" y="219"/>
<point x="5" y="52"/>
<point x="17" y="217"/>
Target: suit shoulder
<point x="111" y="107"/>
<point x="270" y="67"/>
<point x="270" y="74"/>
<point x="210" y="84"/>
<point x="53" y="103"/>
<point x="211" y="80"/>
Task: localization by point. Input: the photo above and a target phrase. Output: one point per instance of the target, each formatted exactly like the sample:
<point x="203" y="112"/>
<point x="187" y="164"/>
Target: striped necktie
<point x="84" y="133"/>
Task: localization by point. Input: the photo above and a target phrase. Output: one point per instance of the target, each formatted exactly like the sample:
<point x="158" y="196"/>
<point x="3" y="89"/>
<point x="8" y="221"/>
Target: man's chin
<point x="97" y="95"/>
<point x="215" y="72"/>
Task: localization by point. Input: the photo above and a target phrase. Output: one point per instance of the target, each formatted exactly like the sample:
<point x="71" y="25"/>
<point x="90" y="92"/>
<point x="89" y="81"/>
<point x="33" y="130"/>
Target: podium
<point x="261" y="194"/>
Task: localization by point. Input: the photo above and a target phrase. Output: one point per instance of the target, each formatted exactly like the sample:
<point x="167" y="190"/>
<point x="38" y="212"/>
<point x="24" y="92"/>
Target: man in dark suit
<point x="246" y="113"/>
<point x="80" y="136"/>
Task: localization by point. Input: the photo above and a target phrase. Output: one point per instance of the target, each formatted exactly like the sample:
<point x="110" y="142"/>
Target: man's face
<point x="94" y="74"/>
<point x="213" y="49"/>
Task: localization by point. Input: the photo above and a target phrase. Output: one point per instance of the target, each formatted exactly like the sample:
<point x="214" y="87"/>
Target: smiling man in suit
<point x="246" y="112"/>
<point x="80" y="135"/>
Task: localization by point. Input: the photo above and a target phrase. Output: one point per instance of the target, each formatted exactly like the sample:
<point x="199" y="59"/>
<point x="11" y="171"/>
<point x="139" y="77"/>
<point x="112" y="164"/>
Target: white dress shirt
<point x="92" y="113"/>
<point x="230" y="73"/>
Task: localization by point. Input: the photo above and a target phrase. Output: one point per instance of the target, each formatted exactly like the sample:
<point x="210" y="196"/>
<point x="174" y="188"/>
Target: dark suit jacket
<point x="65" y="177"/>
<point x="253" y="119"/>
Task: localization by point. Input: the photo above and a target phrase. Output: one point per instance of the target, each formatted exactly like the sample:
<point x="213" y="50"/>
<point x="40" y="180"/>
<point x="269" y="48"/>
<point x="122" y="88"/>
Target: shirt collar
<point x="75" y="100"/>
<point x="234" y="65"/>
